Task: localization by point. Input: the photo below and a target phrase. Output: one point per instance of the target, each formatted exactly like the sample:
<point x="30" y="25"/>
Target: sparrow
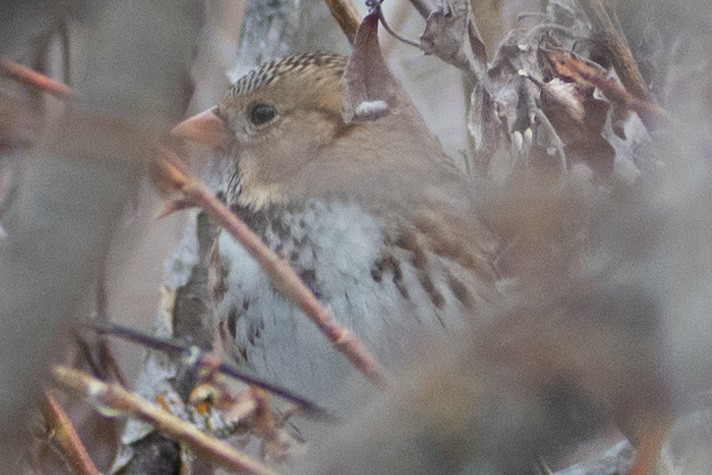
<point x="392" y="237"/>
<point x="374" y="217"/>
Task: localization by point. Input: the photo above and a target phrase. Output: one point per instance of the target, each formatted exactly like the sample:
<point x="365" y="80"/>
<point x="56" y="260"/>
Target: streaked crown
<point x="290" y="66"/>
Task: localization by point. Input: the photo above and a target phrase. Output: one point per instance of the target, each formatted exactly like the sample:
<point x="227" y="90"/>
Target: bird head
<point x="283" y="125"/>
<point x="274" y="121"/>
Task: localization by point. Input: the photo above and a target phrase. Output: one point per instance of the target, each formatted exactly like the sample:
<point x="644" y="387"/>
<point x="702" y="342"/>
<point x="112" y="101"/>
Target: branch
<point x="32" y="78"/>
<point x="569" y="66"/>
<point x="117" y="399"/>
<point x="204" y="359"/>
<point x="621" y="55"/>
<point x="346" y="16"/>
<point x="283" y="277"/>
<point x="63" y="431"/>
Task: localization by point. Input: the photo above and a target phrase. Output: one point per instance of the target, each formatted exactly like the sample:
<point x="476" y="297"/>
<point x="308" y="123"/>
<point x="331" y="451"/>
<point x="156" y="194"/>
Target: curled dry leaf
<point x="367" y="78"/>
<point x="483" y="127"/>
<point x="451" y="34"/>
<point x="589" y="74"/>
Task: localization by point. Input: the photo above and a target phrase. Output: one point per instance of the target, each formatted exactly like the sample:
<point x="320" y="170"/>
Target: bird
<point x="394" y="239"/>
<point x="377" y="221"/>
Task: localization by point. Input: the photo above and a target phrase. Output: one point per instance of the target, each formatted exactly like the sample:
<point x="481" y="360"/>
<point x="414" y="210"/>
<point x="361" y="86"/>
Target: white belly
<point x="389" y="312"/>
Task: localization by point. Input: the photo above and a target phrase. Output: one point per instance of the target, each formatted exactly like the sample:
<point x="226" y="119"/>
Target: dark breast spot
<point x="217" y="274"/>
<point x="460" y="291"/>
<point x="254" y="332"/>
<point x="280" y="229"/>
<point x="232" y="317"/>
<point x="427" y="283"/>
<point x="389" y="264"/>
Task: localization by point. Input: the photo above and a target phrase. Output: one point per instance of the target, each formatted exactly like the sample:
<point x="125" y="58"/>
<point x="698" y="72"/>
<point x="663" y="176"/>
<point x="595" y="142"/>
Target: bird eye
<point x="262" y="113"/>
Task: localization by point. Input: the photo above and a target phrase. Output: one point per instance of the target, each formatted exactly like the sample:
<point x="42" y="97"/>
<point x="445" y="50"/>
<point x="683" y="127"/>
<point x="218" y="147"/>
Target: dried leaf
<point x="367" y="79"/>
<point x="451" y="35"/>
<point x="484" y="128"/>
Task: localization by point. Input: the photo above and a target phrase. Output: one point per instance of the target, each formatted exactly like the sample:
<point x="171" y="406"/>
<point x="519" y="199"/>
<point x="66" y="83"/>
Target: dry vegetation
<point x="587" y="124"/>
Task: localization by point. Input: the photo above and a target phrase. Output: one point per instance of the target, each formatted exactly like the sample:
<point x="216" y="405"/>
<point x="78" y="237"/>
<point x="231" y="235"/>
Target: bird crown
<point x="290" y="65"/>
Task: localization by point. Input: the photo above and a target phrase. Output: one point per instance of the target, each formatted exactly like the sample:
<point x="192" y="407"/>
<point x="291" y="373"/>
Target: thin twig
<point x="621" y="55"/>
<point x="375" y="5"/>
<point x="264" y="424"/>
<point x="648" y="450"/>
<point x="568" y="66"/>
<point x="283" y="277"/>
<point x="32" y="78"/>
<point x="346" y="16"/>
<point x="116" y="398"/>
<point x="66" y="436"/>
<point x="200" y="358"/>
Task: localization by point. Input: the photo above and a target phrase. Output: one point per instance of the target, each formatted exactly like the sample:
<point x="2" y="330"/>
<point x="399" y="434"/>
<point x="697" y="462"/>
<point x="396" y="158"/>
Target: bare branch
<point x="346" y="16"/>
<point x="568" y="66"/>
<point x="203" y="359"/>
<point x="63" y="431"/>
<point x="115" y="398"/>
<point x="32" y="78"/>
<point x="621" y="55"/>
<point x="283" y="277"/>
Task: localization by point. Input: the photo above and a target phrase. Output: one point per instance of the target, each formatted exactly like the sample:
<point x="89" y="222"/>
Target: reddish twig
<point x="117" y="399"/>
<point x="568" y="66"/>
<point x="32" y="78"/>
<point x="648" y="450"/>
<point x="346" y="16"/>
<point x="621" y="55"/>
<point x="283" y="277"/>
<point x="66" y="436"/>
<point x="264" y="424"/>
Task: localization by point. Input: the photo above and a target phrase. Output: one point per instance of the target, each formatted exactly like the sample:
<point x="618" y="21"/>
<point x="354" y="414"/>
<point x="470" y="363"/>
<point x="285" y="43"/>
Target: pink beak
<point x="205" y="128"/>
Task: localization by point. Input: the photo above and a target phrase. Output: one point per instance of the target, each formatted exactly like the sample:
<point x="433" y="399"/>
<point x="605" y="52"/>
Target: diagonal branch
<point x="63" y="431"/>
<point x="623" y="61"/>
<point x="32" y="78"/>
<point x="116" y="399"/>
<point x="201" y="358"/>
<point x="346" y="15"/>
<point x="283" y="277"/>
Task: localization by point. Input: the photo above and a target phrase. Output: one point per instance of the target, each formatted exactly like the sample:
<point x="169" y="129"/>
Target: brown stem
<point x="208" y="362"/>
<point x="32" y="78"/>
<point x="648" y="450"/>
<point x="263" y="417"/>
<point x="116" y="398"/>
<point x="346" y="16"/>
<point x="621" y="55"/>
<point x="283" y="277"/>
<point x="66" y="436"/>
<point x="568" y="66"/>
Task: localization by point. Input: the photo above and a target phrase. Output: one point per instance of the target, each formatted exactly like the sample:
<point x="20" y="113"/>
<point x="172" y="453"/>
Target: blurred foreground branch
<point x="113" y="397"/>
<point x="77" y="182"/>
